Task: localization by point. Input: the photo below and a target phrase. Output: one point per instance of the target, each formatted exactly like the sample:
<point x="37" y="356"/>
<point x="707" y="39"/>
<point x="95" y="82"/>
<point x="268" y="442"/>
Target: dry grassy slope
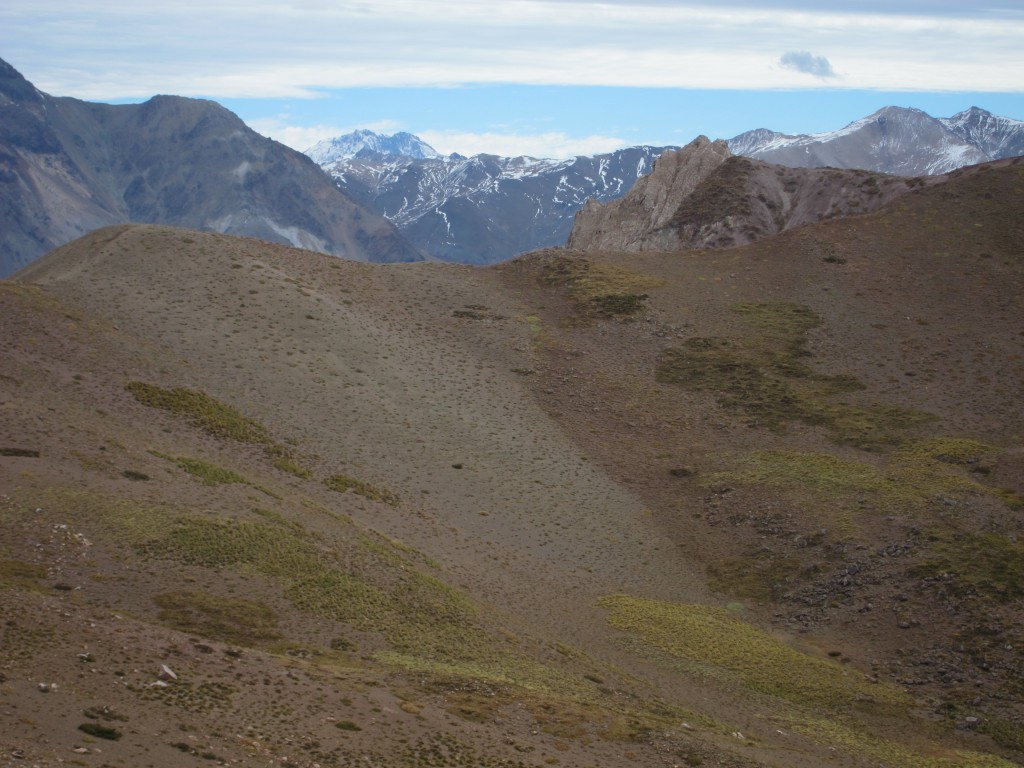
<point x="903" y="556"/>
<point x="530" y="446"/>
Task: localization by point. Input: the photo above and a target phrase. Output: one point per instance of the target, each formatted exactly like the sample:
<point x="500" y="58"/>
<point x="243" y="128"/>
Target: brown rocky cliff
<point x="624" y="224"/>
<point x="704" y="197"/>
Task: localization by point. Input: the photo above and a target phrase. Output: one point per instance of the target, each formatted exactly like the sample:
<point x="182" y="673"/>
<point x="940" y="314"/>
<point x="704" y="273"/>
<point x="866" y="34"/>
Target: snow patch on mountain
<point x="894" y="140"/>
<point x="364" y="142"/>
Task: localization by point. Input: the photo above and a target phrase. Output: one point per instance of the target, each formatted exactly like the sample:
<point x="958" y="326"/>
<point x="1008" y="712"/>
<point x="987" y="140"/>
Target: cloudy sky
<point x="541" y="77"/>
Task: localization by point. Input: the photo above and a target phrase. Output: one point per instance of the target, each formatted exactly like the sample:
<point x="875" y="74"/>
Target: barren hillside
<point x="755" y="506"/>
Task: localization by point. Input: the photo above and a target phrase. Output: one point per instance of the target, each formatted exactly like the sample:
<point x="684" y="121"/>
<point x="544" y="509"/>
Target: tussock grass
<point x="908" y="482"/>
<point x="205" y="412"/>
<point x="205" y="471"/>
<point x="344" y="483"/>
<point x="764" y="378"/>
<point x="232" y="620"/>
<point x="599" y="290"/>
<point x="712" y="641"/>
<point x="217" y="419"/>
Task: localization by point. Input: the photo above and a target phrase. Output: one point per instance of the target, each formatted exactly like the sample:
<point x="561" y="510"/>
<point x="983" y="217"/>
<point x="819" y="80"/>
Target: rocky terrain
<point x="756" y="505"/>
<point x="68" y="167"/>
<point x="702" y="196"/>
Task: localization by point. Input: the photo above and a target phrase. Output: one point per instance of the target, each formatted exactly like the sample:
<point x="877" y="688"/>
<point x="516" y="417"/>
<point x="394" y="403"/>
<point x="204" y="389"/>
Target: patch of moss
<point x="949" y="450"/>
<point x="759" y="577"/>
<point x="232" y="620"/>
<point x="343" y="483"/>
<point x="16" y="574"/>
<point x="205" y="412"/>
<point x="970" y="564"/>
<point x="886" y="752"/>
<point x="205" y="471"/>
<point x="763" y="377"/>
<point x="26" y="453"/>
<point x="713" y="641"/>
<point x="1004" y="733"/>
<point x="598" y="289"/>
<point x="908" y="482"/>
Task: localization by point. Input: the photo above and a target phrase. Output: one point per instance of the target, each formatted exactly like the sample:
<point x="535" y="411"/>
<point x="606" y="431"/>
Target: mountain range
<point x="485" y="208"/>
<point x="480" y="209"/>
<point x="757" y="505"/>
<point x="894" y="140"/>
<point x="68" y="167"/>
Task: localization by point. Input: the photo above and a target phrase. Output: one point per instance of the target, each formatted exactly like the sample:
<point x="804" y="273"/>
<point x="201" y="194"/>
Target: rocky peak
<point x="654" y="199"/>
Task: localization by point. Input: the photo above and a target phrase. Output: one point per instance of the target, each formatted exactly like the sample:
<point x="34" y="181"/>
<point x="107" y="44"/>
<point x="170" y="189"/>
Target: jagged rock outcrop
<point x="625" y="224"/>
<point x="704" y="197"/>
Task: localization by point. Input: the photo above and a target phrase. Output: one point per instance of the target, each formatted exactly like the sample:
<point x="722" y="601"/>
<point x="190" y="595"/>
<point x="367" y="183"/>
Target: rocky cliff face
<point x="703" y="197"/>
<point x="68" y="167"/>
<point x="625" y="224"/>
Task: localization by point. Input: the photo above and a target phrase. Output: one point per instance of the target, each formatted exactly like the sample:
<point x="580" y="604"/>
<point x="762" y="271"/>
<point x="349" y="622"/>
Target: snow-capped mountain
<point x="998" y="137"/>
<point x="364" y="142"/>
<point x="896" y="140"/>
<point x="485" y="208"/>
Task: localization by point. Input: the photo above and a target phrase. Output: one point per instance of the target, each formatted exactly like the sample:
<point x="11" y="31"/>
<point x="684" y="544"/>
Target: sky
<point x="547" y="78"/>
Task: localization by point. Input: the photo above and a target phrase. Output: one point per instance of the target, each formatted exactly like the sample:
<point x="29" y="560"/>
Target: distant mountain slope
<point x="896" y="140"/>
<point x="479" y="209"/>
<point x="998" y="137"/>
<point x="703" y="196"/>
<point x="69" y="166"/>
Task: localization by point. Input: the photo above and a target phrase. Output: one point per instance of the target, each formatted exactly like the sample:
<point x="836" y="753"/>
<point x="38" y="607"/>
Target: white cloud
<point x="805" y="62"/>
<point x="547" y="145"/>
<point x="115" y="48"/>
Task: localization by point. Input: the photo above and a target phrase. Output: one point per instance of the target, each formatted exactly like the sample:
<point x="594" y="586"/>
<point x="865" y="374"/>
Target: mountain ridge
<point x="485" y="208"/>
<point x="703" y="196"/>
<point x="894" y="140"/>
<point x="69" y="166"/>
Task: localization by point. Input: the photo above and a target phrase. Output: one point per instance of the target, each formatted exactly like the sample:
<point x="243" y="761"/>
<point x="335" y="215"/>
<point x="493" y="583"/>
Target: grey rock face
<point x="68" y="167"/>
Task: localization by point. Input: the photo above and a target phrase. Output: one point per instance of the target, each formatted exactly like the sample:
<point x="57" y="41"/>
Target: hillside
<point x="68" y="167"/>
<point x="752" y="506"/>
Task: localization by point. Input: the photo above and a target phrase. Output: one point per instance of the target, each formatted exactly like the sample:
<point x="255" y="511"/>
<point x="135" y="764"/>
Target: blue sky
<point x="542" y="77"/>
